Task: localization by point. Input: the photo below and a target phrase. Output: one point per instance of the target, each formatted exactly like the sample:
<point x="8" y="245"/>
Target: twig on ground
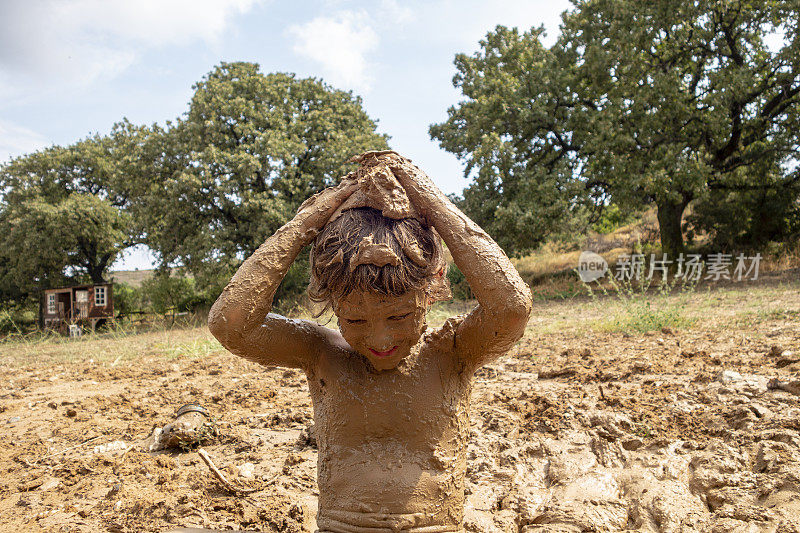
<point x="220" y="476"/>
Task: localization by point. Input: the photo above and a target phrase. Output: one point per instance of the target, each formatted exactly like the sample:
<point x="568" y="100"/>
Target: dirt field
<point x="608" y="416"/>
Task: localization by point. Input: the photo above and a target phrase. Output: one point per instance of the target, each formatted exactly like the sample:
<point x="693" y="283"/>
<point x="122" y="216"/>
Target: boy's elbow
<point x="514" y="309"/>
<point x="518" y="311"/>
<point x="520" y="305"/>
<point x="216" y="323"/>
<point x="221" y="323"/>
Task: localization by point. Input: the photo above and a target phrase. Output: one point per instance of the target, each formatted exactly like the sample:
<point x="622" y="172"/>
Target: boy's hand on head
<point x="419" y="188"/>
<point x="316" y="210"/>
<point x="407" y="173"/>
<point x="331" y="196"/>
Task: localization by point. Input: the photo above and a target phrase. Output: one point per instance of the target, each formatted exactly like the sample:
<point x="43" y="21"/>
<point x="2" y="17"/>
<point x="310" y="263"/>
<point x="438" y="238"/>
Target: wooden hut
<point x="87" y="306"/>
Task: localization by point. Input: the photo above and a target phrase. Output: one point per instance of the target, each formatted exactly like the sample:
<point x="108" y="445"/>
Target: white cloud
<point x="394" y="12"/>
<point x="16" y="140"/>
<point x="79" y="41"/>
<point x="340" y="45"/>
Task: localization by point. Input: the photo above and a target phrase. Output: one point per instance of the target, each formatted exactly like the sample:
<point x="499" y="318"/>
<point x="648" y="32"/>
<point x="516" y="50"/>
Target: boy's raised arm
<point x="492" y="328"/>
<point x="241" y="318"/>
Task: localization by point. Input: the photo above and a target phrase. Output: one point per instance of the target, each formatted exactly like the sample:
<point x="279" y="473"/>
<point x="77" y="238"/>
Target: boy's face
<point x="382" y="328"/>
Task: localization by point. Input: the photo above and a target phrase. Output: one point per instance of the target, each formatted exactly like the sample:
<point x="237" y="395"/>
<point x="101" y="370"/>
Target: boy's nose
<point x="382" y="341"/>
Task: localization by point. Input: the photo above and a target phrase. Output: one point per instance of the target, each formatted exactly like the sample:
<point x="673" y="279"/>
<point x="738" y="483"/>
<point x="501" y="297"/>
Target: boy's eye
<point x="354" y="321"/>
<point x="400" y="317"/>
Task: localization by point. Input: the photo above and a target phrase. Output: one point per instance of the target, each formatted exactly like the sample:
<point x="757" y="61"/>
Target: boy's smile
<point x="382" y="328"/>
<point x="387" y="353"/>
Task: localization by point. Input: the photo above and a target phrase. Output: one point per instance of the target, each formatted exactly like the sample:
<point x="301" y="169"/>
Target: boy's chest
<point x="419" y="403"/>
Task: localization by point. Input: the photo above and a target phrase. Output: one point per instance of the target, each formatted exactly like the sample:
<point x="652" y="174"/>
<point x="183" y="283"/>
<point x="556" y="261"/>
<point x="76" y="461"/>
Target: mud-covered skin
<point x="392" y="429"/>
<point x="504" y="299"/>
<point x="384" y="329"/>
<point x="241" y="318"/>
<point x="392" y="444"/>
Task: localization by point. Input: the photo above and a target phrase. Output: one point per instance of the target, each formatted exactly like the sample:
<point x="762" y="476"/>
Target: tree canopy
<point x="250" y="149"/>
<point x="63" y="217"/>
<point x="658" y="102"/>
<point x="202" y="192"/>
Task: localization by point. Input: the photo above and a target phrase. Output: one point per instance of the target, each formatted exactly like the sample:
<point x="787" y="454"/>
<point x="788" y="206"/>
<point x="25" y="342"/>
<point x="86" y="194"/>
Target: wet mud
<point x="675" y="431"/>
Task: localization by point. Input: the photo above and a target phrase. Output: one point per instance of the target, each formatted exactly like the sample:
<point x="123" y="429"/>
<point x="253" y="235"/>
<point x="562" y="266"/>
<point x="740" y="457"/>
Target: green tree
<point x="646" y="102"/>
<point x="43" y="245"/>
<point x="512" y="132"/>
<point x="250" y="149"/>
<point x="63" y="215"/>
<point x="742" y="220"/>
<point x="171" y="293"/>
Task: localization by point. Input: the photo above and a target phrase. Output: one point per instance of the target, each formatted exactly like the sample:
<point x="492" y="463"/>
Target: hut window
<point x="99" y="296"/>
<point x="51" y="304"/>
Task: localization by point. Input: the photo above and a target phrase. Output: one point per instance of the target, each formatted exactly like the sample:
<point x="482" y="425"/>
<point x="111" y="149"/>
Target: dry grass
<point x="550" y="269"/>
<point x="707" y="308"/>
<point x="787" y="258"/>
<point x="134" y="278"/>
<point x="637" y="313"/>
<point x="110" y="347"/>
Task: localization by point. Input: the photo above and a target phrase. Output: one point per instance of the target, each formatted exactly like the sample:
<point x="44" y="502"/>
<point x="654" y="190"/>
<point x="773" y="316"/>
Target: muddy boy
<point x="390" y="396"/>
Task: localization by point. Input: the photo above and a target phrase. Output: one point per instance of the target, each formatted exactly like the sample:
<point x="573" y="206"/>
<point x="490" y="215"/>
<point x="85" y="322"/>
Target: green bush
<point x="745" y="220"/>
<point x="612" y="219"/>
<point x="127" y="299"/>
<point x="18" y="319"/>
<point x="167" y="293"/>
<point x="458" y="284"/>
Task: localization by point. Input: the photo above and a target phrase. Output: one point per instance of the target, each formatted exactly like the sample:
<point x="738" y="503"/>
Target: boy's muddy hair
<point x="346" y="254"/>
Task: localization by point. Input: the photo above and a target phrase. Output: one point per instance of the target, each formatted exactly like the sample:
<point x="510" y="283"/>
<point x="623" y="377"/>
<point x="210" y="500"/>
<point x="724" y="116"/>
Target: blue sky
<point x="70" y="68"/>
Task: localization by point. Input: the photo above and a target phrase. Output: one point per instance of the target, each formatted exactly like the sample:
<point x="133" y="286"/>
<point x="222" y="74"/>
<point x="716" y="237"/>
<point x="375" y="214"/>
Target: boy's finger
<point x="347" y="187"/>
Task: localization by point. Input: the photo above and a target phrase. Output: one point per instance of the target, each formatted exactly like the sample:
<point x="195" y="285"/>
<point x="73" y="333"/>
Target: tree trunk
<point x="97" y="269"/>
<point x="670" y="216"/>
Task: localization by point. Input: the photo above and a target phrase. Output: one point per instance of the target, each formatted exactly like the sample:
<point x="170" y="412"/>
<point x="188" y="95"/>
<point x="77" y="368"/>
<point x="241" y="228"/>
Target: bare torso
<point x="392" y="444"/>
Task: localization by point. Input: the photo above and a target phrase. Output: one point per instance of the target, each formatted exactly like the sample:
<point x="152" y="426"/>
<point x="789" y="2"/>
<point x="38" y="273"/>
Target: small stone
<point x="728" y="376"/>
<point x="71" y="413"/>
<point x="792" y="387"/>
<point x="50" y="484"/>
<point x="247" y="471"/>
<point x="114" y="490"/>
<point x="786" y="360"/>
<point x="110" y="447"/>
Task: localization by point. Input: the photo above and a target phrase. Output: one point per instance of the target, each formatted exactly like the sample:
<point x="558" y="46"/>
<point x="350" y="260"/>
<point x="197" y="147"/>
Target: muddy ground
<point x="578" y="429"/>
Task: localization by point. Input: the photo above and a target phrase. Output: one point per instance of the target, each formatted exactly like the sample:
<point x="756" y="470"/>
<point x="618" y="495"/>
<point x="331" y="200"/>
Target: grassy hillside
<point x="134" y="278"/>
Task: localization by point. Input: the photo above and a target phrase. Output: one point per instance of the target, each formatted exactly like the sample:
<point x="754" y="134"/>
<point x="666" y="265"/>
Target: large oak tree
<point x="656" y="102"/>
<point x="236" y="167"/>
<point x="64" y="212"/>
